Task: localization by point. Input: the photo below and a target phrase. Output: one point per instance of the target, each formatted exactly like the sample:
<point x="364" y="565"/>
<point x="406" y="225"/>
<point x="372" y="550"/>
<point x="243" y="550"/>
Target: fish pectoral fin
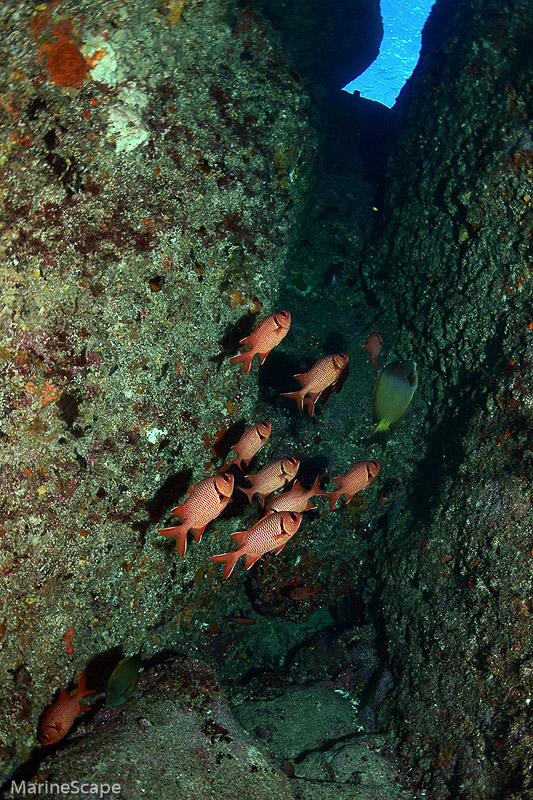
<point x="52" y="726"/>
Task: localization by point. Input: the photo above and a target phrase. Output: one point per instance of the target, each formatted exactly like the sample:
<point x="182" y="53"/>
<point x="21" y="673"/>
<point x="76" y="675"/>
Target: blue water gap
<point x="402" y="27"/>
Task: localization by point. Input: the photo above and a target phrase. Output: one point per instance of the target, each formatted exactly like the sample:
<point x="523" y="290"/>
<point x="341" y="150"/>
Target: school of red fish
<point x="283" y="512"/>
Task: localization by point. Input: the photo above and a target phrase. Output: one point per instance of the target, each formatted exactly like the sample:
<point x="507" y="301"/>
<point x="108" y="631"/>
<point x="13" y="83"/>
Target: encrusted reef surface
<point x="166" y="182"/>
<point x="152" y="156"/>
<point x="157" y="163"/>
<point x="453" y="570"/>
<point x="180" y="737"/>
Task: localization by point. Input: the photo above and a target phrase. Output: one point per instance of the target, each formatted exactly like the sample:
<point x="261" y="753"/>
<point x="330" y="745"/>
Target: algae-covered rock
<point x="452" y="266"/>
<point x="153" y="157"/>
<point x="176" y="738"/>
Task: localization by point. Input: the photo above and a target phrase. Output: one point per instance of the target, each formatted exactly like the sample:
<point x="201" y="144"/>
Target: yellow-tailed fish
<point x="122" y="681"/>
<point x="391" y="401"/>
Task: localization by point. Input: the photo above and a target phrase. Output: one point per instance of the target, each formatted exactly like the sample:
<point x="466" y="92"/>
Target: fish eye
<point x="225" y="478"/>
<point x="375" y="464"/>
<point x="294" y="517"/>
<point x="283" y="313"/>
<point x="342" y="355"/>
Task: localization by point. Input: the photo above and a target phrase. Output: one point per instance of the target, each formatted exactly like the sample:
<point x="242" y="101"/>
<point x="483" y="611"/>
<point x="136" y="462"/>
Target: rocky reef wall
<point x="156" y="160"/>
<point x="454" y="270"/>
<point x="152" y="160"/>
<point x="165" y="181"/>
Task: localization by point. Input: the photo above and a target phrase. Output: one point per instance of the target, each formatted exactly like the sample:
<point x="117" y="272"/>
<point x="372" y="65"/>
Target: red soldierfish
<point x="57" y="720"/>
<point x="323" y="375"/>
<point x="373" y="347"/>
<point x="296" y="499"/>
<point x="303" y="592"/>
<point x="271" y="477"/>
<point x="206" y="501"/>
<point x="358" y="477"/>
<point x="266" y="335"/>
<point x="252" y="440"/>
<point x="270" y="533"/>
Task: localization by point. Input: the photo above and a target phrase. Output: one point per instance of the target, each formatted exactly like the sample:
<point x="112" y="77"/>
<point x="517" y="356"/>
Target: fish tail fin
<point x="298" y="396"/>
<point x="179" y="533"/>
<point x="246" y="358"/>
<point x="316" y="490"/>
<point x="237" y="461"/>
<point x="229" y="559"/>
<point x="248" y="492"/>
<point x="380" y="437"/>
<point x="198" y="532"/>
<point x="82" y="688"/>
<point x="334" y="496"/>
<point x="310" y="401"/>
